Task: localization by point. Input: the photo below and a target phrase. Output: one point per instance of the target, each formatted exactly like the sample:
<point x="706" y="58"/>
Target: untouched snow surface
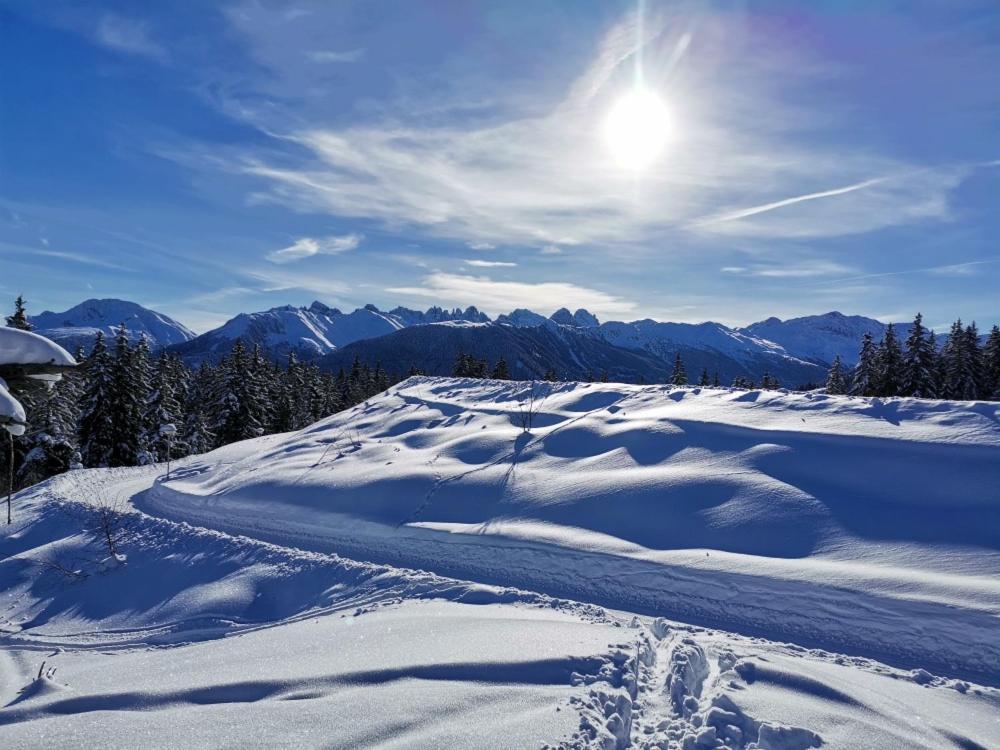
<point x="828" y="567"/>
<point x="26" y="348"/>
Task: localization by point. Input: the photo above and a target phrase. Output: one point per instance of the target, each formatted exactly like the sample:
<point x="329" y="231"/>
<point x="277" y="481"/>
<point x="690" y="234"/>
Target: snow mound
<point x="795" y="516"/>
<point x="19" y="347"/>
<point x="12" y="416"/>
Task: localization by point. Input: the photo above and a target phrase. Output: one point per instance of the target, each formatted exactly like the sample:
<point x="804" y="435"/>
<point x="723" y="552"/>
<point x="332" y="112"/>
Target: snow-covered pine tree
<point x="991" y="365"/>
<point x="20" y="317"/>
<point x="703" y="380"/>
<point x="166" y="406"/>
<point x="889" y="364"/>
<point x="769" y="382"/>
<point x="97" y="425"/>
<point x="715" y="380"/>
<point x="286" y="412"/>
<point x="263" y="383"/>
<point x="196" y="433"/>
<point x="865" y="373"/>
<point x="130" y="386"/>
<point x="238" y="411"/>
<point x="679" y="375"/>
<point x="836" y="382"/>
<point x="54" y="418"/>
<point x="919" y="363"/>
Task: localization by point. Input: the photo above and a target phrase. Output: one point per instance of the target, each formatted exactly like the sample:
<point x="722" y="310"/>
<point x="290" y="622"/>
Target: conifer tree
<point x="715" y="380"/>
<point x="865" y="377"/>
<point x="166" y="408"/>
<point x="500" y="370"/>
<point x="977" y="370"/>
<point x="197" y="436"/>
<point x="130" y="385"/>
<point x="679" y="375"/>
<point x="836" y="382"/>
<point x="19" y="319"/>
<point x="991" y="365"/>
<point x="550" y="375"/>
<point x="703" y="380"/>
<point x="959" y="370"/>
<point x="919" y="363"/>
<point x="97" y="423"/>
<point x="889" y="358"/>
<point x="238" y="409"/>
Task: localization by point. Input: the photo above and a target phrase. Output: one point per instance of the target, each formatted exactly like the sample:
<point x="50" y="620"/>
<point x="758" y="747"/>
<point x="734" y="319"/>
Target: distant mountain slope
<point x="78" y="325"/>
<point x="571" y="352"/>
<point x="711" y="346"/>
<point x="310" y="332"/>
<point x="820" y="338"/>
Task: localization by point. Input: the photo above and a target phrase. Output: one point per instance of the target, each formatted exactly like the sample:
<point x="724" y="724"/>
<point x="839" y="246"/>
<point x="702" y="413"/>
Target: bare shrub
<point x="529" y="402"/>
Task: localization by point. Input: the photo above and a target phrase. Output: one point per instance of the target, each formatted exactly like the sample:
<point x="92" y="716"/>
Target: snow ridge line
<point x="370" y="585"/>
<point x="510" y="456"/>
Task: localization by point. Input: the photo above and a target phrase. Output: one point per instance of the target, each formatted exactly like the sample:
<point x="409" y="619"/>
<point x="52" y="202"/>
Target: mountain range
<point x="78" y="325"/>
<point x="575" y="344"/>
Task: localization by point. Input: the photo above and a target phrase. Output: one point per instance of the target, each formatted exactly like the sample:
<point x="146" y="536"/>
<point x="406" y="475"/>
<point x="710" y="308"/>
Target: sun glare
<point x="637" y="128"/>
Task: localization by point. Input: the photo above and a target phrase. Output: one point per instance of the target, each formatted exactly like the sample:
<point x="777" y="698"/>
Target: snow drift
<point x="793" y="516"/>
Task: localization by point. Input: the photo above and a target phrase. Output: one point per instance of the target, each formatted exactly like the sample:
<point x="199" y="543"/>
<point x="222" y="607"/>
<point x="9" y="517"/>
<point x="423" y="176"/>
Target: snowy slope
<point x="820" y="338"/>
<point x="78" y="325"/>
<point x="829" y="566"/>
<point x="689" y="495"/>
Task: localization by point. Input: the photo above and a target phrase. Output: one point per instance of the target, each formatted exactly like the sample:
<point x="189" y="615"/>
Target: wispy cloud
<point x="333" y="56"/>
<point x="546" y="178"/>
<point x="791" y="269"/>
<point x="306" y="247"/>
<point x="503" y="296"/>
<point x="966" y="268"/>
<point x="129" y="36"/>
<point x="480" y="246"/>
<point x="81" y="258"/>
<point x="489" y="263"/>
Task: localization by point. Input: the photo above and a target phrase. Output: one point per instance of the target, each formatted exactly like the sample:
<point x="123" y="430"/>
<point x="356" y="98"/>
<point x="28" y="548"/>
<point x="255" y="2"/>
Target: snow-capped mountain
<point x="310" y="332"/>
<point x="820" y="338"/>
<point x="710" y="346"/>
<point x="436" y="314"/>
<point x="78" y="325"/>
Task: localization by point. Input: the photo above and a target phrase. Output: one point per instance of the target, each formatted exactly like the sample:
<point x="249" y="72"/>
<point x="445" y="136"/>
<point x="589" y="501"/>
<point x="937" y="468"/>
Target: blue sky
<point x="209" y="158"/>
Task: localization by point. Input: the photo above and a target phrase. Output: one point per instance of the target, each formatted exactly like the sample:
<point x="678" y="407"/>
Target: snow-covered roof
<point x="19" y="347"/>
<point x="12" y="416"/>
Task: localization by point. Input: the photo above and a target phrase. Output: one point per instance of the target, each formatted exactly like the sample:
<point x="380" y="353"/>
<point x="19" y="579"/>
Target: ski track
<point x="692" y="639"/>
<point x="663" y="686"/>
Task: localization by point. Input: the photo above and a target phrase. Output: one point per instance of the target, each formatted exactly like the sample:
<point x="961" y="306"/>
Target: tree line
<point x="961" y="369"/>
<point x="125" y="406"/>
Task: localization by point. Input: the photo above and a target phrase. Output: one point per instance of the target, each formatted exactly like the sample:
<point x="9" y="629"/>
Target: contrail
<point x="754" y="210"/>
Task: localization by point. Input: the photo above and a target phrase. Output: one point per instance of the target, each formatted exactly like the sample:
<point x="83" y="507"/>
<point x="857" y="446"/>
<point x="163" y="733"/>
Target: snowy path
<point x="418" y="573"/>
<point x="911" y="633"/>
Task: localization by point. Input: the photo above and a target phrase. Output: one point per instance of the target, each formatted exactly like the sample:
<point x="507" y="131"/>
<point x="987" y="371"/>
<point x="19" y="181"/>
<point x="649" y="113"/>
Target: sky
<point x="205" y="159"/>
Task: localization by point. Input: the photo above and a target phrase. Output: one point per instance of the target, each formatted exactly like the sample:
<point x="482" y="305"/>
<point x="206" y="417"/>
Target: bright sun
<point x="637" y="128"/>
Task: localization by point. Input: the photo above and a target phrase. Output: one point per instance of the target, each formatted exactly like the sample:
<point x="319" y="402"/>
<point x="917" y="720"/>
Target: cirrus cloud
<point x="497" y="297"/>
<point x="306" y="247"/>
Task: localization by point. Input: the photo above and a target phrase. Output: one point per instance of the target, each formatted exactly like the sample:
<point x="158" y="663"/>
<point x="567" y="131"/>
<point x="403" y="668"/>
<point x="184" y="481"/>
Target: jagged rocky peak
<point x="523" y="318"/>
<point x="563" y="317"/>
<point x="580" y="319"/>
<point x="321" y="309"/>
